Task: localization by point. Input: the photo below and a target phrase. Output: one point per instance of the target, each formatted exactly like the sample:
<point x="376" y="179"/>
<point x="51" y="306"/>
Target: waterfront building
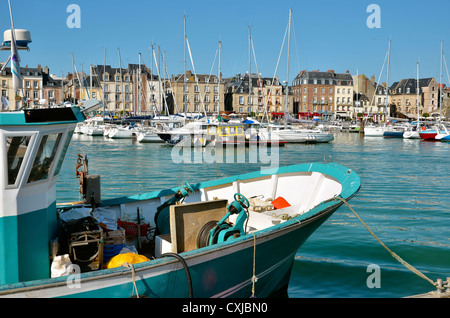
<point x="120" y="91"/>
<point x="266" y="95"/>
<point x="404" y="94"/>
<point x="364" y="95"/>
<point x="198" y="93"/>
<point x="39" y="88"/>
<point x="343" y="96"/>
<point x="53" y="88"/>
<point x="314" y="94"/>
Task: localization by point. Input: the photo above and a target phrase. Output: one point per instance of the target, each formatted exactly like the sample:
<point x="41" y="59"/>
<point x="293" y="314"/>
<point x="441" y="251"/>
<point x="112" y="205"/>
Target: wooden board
<point x="186" y="220"/>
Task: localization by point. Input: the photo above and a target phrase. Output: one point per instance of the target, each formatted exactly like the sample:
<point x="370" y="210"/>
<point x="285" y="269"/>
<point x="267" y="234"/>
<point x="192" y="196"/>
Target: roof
<point x="409" y="85"/>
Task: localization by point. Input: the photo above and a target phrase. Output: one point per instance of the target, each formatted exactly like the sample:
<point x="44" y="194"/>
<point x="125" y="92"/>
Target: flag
<point x="15" y="66"/>
<point x="5" y="103"/>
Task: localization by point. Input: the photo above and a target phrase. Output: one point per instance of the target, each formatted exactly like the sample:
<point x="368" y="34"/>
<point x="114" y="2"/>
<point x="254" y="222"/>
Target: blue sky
<point x="326" y="34"/>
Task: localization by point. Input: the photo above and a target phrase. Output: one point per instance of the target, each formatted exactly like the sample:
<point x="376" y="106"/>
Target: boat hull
<point x="393" y="134"/>
<point x="225" y="269"/>
<point x="210" y="270"/>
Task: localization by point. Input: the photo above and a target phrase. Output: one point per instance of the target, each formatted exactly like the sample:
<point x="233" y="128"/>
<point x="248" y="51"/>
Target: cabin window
<point x="212" y="130"/>
<point x="16" y="148"/>
<point x="44" y="157"/>
<point x="63" y="152"/>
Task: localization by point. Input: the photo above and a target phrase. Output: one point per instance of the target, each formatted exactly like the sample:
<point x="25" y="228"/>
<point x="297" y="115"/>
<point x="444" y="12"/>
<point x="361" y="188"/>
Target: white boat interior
<point x="298" y="192"/>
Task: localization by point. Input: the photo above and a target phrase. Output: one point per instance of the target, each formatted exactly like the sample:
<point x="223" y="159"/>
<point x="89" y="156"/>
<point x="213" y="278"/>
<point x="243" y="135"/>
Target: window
<point x="63" y="152"/>
<point x="44" y="157"/>
<point x="196" y="88"/>
<point x="16" y="148"/>
<point x="206" y="89"/>
<point x="241" y="100"/>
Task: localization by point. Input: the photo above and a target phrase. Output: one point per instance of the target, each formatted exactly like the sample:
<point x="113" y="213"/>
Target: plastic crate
<point x="109" y="251"/>
<point x="131" y="228"/>
<point x="114" y="237"/>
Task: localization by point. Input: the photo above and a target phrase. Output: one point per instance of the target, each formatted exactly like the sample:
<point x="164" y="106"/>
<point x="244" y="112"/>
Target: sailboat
<point x="413" y="131"/>
<point x="438" y="130"/>
<point x="378" y="131"/>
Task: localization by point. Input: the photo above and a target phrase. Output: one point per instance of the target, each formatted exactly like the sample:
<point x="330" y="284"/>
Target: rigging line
<point x="379" y="77"/>
<point x="398" y="258"/>
<point x="160" y="84"/>
<point x="445" y="63"/>
<point x="170" y="85"/>
<point x="295" y="44"/>
<point x="195" y="74"/>
<point x="214" y="62"/>
<point x="276" y="68"/>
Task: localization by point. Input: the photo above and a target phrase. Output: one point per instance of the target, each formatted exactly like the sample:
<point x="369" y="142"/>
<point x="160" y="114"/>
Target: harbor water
<point x="403" y="199"/>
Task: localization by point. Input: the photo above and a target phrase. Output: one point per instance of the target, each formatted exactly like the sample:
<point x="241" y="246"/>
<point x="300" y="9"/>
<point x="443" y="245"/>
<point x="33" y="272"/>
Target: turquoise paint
<point x="9" y="269"/>
<point x="24" y="245"/>
<point x="18" y="119"/>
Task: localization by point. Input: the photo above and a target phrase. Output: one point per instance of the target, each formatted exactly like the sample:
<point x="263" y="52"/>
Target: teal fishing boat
<point x="217" y="243"/>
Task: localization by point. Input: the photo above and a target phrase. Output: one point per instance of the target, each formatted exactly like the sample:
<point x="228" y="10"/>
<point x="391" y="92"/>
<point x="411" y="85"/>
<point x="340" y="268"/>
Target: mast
<point x="249" y="68"/>
<point x="286" y="106"/>
<point x="152" y="104"/>
<point x="418" y="88"/>
<point x="220" y="75"/>
<point x="90" y="79"/>
<point x="184" y="77"/>
<point x="73" y="81"/>
<point x="387" y="84"/>
<point x="104" y="90"/>
<point x="121" y="82"/>
<point x="440" y="87"/>
<point x="139" y="86"/>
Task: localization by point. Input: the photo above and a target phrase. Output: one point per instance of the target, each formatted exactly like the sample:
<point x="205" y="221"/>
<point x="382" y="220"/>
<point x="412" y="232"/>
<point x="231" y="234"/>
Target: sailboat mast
<point x="220" y="75"/>
<point x="418" y="88"/>
<point x="152" y="99"/>
<point x="104" y="70"/>
<point x="287" y="71"/>
<point x="184" y="77"/>
<point x="139" y="86"/>
<point x="249" y="68"/>
<point x="121" y="82"/>
<point x="440" y="87"/>
<point x="387" y="84"/>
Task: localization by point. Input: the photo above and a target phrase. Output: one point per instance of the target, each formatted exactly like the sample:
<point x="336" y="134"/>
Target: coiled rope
<point x="398" y="258"/>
